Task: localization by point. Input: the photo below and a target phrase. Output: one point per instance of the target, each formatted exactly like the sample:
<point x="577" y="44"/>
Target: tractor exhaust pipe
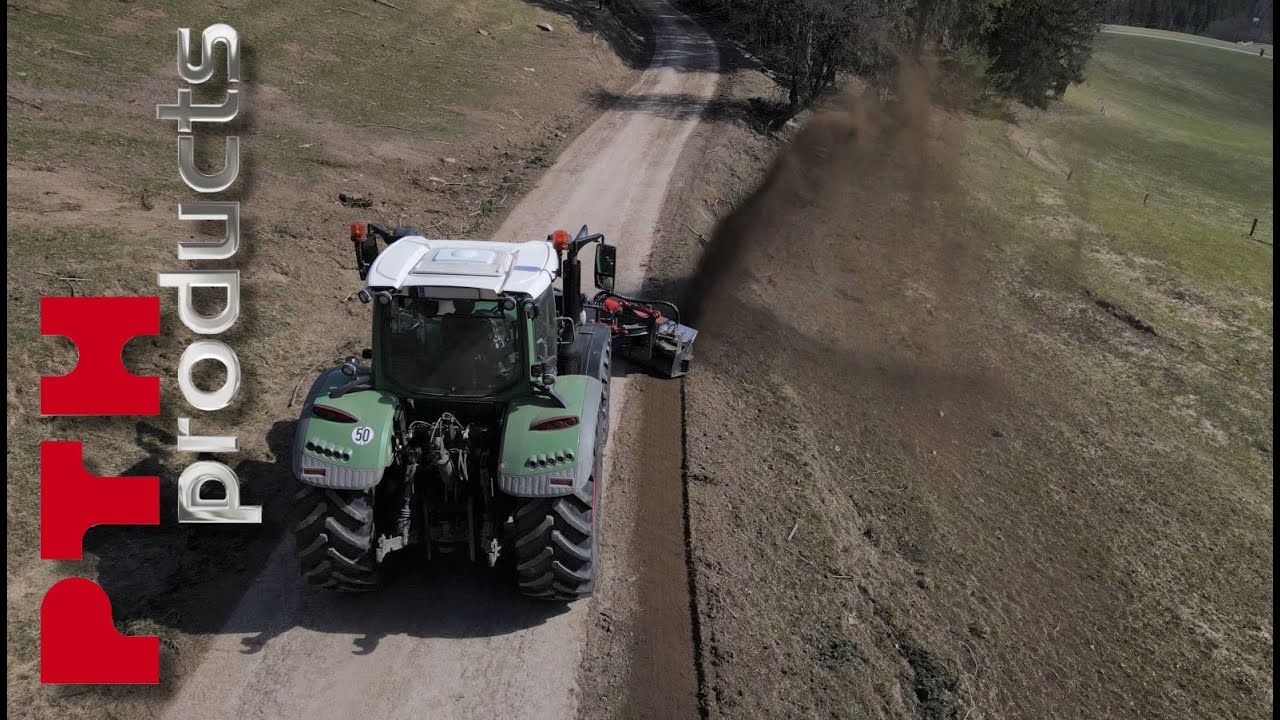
<point x="573" y="286"/>
<point x="571" y="268"/>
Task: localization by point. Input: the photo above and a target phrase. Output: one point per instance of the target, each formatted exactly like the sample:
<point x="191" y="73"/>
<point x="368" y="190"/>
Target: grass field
<point x="1169" y="149"/>
<point x="995" y="434"/>
<point x="1185" y="38"/>
<point x="426" y="68"/>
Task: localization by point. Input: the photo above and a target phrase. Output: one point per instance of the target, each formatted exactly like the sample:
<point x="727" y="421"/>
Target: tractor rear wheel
<point x="556" y="547"/>
<point x="558" y="539"/>
<point x="336" y="543"/>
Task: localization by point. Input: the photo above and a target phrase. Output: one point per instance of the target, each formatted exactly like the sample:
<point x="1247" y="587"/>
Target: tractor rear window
<point x="449" y="347"/>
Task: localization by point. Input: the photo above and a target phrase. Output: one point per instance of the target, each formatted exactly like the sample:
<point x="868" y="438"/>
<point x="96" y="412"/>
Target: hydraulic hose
<point x="600" y="296"/>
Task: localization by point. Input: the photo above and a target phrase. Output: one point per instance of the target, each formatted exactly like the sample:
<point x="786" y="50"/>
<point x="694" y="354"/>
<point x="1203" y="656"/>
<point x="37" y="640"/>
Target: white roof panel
<point x="492" y="268"/>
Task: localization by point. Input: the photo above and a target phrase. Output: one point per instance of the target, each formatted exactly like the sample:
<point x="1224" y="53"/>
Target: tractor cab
<point x="462" y="318"/>
<point x="476" y="318"/>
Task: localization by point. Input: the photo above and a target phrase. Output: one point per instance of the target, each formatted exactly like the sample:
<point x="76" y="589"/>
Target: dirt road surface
<point x="463" y="644"/>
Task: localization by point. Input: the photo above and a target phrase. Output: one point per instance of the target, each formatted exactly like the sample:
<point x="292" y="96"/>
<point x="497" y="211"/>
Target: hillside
<point x="983" y="422"/>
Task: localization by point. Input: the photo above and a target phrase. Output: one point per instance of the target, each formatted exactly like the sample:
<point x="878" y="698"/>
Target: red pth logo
<point x="78" y="641"/>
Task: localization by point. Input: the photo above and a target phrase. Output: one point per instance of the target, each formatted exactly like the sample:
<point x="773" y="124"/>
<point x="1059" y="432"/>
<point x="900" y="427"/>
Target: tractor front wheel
<point x="336" y="544"/>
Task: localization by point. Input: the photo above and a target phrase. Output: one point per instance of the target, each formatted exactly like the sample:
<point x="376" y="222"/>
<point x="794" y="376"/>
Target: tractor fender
<point x="537" y="463"/>
<point x="589" y="349"/>
<point x="344" y="455"/>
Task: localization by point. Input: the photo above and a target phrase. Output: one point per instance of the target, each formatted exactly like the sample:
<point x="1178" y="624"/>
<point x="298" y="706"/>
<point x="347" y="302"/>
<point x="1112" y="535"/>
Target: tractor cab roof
<point x="452" y="268"/>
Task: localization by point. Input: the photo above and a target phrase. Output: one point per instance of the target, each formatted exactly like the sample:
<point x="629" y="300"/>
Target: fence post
<point x="1070" y="173"/>
<point x="1144" y="198"/>
<point x="1253" y="227"/>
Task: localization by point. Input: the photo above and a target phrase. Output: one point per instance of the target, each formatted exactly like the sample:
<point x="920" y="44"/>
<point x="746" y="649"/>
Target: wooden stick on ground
<point x="393" y="127"/>
<point x="814" y="565"/>
<point x="305" y="375"/>
<point x="24" y="102"/>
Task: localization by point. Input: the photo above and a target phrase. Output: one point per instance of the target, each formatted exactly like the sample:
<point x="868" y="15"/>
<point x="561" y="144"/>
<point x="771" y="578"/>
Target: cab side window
<point x="544" y="330"/>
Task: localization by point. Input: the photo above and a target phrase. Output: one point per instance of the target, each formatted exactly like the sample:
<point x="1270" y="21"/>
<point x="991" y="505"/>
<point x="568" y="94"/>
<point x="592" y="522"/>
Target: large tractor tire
<point x="556" y="547"/>
<point x="558" y="539"/>
<point x="336" y="544"/>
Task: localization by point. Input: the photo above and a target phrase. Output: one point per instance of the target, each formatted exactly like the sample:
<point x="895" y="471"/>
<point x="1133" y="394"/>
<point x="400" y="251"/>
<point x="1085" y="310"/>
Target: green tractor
<point x="478" y="425"/>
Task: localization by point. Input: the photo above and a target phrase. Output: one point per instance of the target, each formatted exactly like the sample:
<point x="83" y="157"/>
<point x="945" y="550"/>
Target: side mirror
<point x="606" y="265"/>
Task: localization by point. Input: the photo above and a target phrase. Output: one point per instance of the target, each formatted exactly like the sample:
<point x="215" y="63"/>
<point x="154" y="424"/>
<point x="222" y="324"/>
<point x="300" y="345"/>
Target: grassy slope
<point x="1191" y="126"/>
<point x="93" y="191"/>
<point x="1028" y="438"/>
<point x="1168" y="34"/>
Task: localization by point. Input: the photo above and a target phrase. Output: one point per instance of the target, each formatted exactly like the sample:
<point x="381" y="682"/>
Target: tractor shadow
<point x="242" y="579"/>
<point x="448" y="599"/>
<point x="625" y="367"/>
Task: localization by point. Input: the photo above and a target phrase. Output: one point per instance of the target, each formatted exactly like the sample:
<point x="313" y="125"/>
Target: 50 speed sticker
<point x="362" y="435"/>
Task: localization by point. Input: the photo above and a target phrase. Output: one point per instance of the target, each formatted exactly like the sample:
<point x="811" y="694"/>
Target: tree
<point x="1039" y="47"/>
<point x="952" y="24"/>
<point x="1035" y="48"/>
<point x="806" y="43"/>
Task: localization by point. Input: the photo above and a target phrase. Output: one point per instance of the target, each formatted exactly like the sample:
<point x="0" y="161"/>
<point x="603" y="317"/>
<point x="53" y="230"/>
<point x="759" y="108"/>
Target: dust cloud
<point x="859" y="220"/>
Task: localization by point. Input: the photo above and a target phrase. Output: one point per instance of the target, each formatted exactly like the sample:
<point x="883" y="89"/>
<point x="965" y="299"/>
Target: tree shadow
<point x="186" y="576"/>
<point x="646" y="35"/>
<point x="759" y="114"/>
<point x="447" y="599"/>
<point x="625" y="31"/>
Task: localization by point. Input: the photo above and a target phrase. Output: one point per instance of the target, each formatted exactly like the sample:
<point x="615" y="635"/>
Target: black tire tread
<point x="553" y="555"/>
<point x="335" y="539"/>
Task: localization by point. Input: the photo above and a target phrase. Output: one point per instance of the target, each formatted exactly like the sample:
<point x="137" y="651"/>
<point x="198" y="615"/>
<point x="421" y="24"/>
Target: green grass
<point x="361" y="62"/>
<point x="1168" y="34"/>
<point x="1191" y="127"/>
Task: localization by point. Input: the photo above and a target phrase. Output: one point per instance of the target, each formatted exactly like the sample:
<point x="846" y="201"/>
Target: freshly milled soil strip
<point x="662" y="682"/>
<point x="695" y="620"/>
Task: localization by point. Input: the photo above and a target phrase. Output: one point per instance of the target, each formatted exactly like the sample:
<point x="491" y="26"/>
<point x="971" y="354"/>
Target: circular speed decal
<point x="362" y="435"/>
